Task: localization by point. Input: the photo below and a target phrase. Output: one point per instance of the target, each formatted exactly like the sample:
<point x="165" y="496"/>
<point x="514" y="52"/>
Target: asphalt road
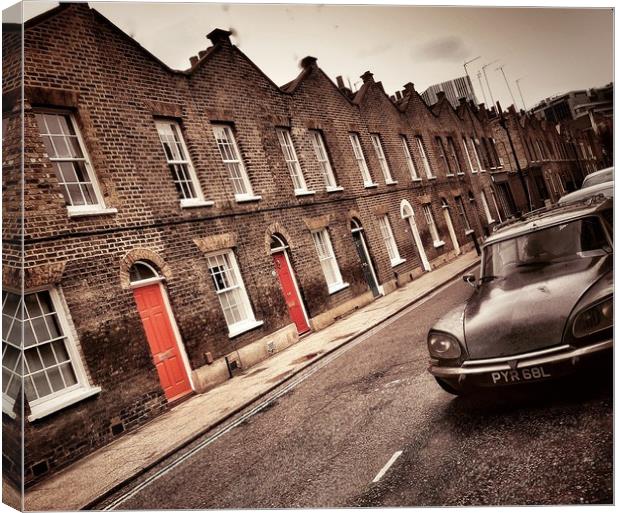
<point x="323" y="443"/>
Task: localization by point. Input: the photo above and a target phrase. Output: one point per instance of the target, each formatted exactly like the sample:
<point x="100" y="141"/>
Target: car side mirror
<point x="470" y="279"/>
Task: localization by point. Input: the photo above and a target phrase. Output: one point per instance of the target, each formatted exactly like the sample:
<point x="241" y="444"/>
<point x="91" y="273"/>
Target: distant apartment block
<point x="575" y="104"/>
<point x="456" y="88"/>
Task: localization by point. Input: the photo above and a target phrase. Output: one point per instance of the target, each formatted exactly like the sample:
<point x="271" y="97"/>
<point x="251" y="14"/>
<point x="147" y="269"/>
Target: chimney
<point x="340" y="82"/>
<point x="367" y="77"/>
<point x="512" y="109"/>
<point x="462" y="101"/>
<point x="201" y="54"/>
<point x="193" y="60"/>
<point x="440" y="95"/>
<point x="409" y="87"/>
<point x="219" y="36"/>
<point x="308" y="62"/>
<point x="398" y="95"/>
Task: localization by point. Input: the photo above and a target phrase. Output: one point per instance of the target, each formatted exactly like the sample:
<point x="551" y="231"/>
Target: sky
<point x="551" y="50"/>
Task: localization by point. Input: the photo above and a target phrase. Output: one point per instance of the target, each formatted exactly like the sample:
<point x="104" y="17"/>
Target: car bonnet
<point x="527" y="311"/>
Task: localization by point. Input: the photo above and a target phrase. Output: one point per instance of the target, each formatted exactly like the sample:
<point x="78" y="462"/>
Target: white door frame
<point x="410" y="216"/>
<point x="372" y="268"/>
<point x="455" y="241"/>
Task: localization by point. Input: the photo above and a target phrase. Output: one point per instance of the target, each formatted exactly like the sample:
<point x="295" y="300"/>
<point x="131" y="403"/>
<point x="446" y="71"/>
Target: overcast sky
<point x="554" y="50"/>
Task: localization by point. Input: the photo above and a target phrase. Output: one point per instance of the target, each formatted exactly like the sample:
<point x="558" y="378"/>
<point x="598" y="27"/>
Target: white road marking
<point x="387" y="466"/>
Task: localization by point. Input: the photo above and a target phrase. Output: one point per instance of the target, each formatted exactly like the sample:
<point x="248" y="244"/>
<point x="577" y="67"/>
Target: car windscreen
<point x="575" y="239"/>
<point x="589" y="181"/>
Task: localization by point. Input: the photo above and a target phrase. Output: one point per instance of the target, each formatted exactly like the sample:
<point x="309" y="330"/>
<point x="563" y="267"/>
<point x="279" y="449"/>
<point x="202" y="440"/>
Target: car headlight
<point x="442" y="345"/>
<point x="595" y="318"/>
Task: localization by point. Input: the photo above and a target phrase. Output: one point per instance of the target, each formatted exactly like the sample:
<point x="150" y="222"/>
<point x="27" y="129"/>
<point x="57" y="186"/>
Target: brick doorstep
<point x="105" y="471"/>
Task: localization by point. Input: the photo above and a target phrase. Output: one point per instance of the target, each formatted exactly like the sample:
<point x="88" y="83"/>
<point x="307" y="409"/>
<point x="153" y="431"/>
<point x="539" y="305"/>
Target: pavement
<point x="92" y="478"/>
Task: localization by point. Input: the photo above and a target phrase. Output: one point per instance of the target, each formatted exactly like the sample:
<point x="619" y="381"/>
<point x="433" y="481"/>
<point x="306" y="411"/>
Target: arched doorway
<point x="288" y="283"/>
<point x="362" y="250"/>
<point x="406" y="212"/>
<point x="448" y="219"/>
<point x="161" y="330"/>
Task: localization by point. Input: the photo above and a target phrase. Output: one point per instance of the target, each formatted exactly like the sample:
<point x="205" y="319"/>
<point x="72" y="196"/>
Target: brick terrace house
<point x="180" y="224"/>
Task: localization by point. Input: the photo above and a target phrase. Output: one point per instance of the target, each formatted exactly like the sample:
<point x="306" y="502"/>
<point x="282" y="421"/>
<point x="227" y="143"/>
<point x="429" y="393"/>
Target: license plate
<point x="519" y="375"/>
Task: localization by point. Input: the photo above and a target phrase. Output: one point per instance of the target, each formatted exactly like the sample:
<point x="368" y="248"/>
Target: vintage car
<point x="542" y="306"/>
<point x="599" y="182"/>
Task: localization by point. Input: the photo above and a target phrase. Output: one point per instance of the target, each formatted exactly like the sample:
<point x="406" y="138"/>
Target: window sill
<point x="334" y="188"/>
<point x="54" y="405"/>
<point x="370" y="185"/>
<point x="432" y="178"/>
<point x="391" y="182"/>
<point x="8" y="405"/>
<point x="474" y="172"/>
<point x="449" y="175"/>
<point x="469" y="232"/>
<point x="394" y="263"/>
<point x="245" y="198"/>
<point x="243" y="327"/>
<point x="304" y="192"/>
<point x="196" y="203"/>
<point x="416" y="180"/>
<point x="438" y="243"/>
<point x="460" y="174"/>
<point x="79" y="212"/>
<point x="337" y="287"/>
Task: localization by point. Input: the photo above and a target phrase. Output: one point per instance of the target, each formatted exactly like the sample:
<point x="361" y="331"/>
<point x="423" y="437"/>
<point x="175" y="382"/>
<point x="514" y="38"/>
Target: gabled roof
<point x="309" y="67"/>
<point x="33" y="22"/>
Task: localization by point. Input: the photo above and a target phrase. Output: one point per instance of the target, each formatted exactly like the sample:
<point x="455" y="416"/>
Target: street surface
<point x="375" y="414"/>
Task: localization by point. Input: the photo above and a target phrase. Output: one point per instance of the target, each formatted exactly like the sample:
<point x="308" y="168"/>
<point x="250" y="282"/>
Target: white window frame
<point x="539" y="150"/>
<point x="485" y="207"/>
<point x="383" y="163"/>
<point x="584" y="156"/>
<point x="292" y="162"/>
<point x="469" y="161"/>
<point x="233" y="161"/>
<point x="249" y="321"/>
<point x="361" y="160"/>
<point x="413" y="172"/>
<point x="427" y="167"/>
<point x="170" y="125"/>
<point x="322" y="157"/>
<point x="60" y="399"/>
<point x="327" y="257"/>
<point x="98" y="207"/>
<point x="387" y="235"/>
<point x="474" y="146"/>
<point x="455" y="156"/>
<point x="432" y="225"/>
<point x="499" y="214"/>
<point x="443" y="156"/>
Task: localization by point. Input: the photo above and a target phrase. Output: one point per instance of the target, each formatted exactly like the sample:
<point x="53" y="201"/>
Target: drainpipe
<point x="503" y="124"/>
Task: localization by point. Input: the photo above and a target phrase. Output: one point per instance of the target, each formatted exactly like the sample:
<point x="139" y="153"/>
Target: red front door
<point x="293" y="301"/>
<point x="162" y="341"/>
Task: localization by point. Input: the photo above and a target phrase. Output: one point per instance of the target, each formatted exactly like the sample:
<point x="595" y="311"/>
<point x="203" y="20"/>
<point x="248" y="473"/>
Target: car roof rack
<point x="540" y="212"/>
